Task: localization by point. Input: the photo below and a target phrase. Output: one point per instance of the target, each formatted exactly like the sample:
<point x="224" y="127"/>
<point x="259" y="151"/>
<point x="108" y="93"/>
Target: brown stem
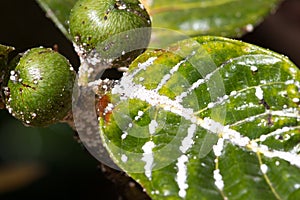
<point x="128" y="188"/>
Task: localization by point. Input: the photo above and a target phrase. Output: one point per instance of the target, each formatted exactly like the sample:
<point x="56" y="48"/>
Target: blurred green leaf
<point x="58" y="12"/>
<point x="208" y="118"/>
<point x="230" y="18"/>
<point x="4" y="52"/>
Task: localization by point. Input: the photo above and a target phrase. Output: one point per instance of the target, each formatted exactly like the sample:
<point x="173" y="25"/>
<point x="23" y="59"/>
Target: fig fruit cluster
<point x="40" y="84"/>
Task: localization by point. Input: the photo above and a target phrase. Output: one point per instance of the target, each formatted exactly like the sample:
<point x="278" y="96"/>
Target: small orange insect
<point x="101" y="107"/>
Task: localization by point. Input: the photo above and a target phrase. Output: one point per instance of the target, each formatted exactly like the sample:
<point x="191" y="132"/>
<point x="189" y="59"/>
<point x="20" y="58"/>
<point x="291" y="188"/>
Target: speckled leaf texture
<point x="229" y="18"/>
<point x="208" y="118"/>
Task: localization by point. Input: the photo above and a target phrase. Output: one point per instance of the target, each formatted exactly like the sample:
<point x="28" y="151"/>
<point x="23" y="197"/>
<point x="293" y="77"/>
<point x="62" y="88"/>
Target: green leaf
<point x="4" y="52"/>
<point x="4" y="69"/>
<point x="58" y="12"/>
<point x="207" y="118"/>
<point x="229" y="18"/>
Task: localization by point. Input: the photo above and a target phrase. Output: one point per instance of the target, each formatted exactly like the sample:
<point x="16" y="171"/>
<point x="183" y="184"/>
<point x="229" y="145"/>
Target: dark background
<point x="47" y="163"/>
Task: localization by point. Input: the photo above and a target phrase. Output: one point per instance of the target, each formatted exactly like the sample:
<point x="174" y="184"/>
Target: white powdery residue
<point x="218" y="179"/>
<point x="94" y="17"/>
<point x="152" y="126"/>
<point x="181" y="176"/>
<point x="288" y="112"/>
<point x="235" y="137"/>
<point x="95" y="83"/>
<point x="196" y="84"/>
<point x="144" y="65"/>
<point x="188" y="141"/>
<point x="189" y="90"/>
<point x="142" y="6"/>
<point x="13" y="78"/>
<point x="263" y="82"/>
<point x="296" y="100"/>
<point x="218" y="148"/>
<point x="283" y="93"/>
<point x="219" y="101"/>
<point x="253" y="68"/>
<point x="280" y="131"/>
<point x="262" y="138"/>
<point x="109" y="108"/>
<point x="128" y="90"/>
<point x="93" y="60"/>
<point x="124" y="135"/>
<point x="122" y="7"/>
<point x="297" y="186"/>
<point x="155" y="192"/>
<point x="290" y="82"/>
<point x="212" y="126"/>
<point x="264" y="168"/>
<point x="168" y="76"/>
<point x="10" y="110"/>
<point x="249" y="27"/>
<point x="210" y="105"/>
<point x="148" y="158"/>
<point x="296" y="149"/>
<point x="233" y="93"/>
<point x="140" y="114"/>
<point x="163" y="82"/>
<point x="124" y="158"/>
<point x="293" y="70"/>
<point x="292" y="158"/>
<point x="246" y="106"/>
<point x="259" y="93"/>
<point x="227" y="134"/>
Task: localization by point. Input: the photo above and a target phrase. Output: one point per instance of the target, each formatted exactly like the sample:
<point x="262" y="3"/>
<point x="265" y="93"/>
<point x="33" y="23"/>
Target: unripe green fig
<point x="40" y="88"/>
<point x="112" y="30"/>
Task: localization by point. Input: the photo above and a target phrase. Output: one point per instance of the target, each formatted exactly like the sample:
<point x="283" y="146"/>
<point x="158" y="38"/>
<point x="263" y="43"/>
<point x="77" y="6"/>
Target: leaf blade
<point x="231" y="18"/>
<point x="262" y="107"/>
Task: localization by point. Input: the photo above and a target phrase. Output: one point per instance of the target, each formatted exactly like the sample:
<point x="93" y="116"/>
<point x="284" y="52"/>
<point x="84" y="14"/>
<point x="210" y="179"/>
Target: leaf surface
<point x="230" y="18"/>
<point x="208" y="118"/>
